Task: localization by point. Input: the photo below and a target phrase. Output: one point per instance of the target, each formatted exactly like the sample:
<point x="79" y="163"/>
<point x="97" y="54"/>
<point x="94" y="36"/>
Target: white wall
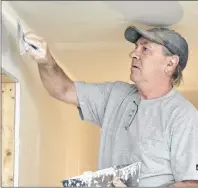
<point x="54" y="143"/>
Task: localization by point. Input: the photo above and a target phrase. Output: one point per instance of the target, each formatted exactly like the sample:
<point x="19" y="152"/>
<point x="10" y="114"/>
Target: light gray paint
<point x="152" y="13"/>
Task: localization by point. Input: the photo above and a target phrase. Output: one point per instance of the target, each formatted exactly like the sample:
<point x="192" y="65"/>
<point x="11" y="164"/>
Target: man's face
<point x="148" y="61"/>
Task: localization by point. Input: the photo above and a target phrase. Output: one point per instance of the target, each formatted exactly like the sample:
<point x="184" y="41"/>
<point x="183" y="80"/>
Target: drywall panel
<point x="8" y="110"/>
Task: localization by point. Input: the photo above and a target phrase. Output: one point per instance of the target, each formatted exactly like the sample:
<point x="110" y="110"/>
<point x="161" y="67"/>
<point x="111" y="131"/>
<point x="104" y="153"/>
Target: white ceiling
<point x="91" y="29"/>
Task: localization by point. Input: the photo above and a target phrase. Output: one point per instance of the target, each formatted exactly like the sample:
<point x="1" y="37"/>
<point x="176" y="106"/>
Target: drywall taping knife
<point x="24" y="45"/>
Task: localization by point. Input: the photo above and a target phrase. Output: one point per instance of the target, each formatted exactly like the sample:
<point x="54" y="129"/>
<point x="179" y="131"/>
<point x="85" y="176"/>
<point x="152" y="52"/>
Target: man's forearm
<point x="187" y="183"/>
<point x="54" y="79"/>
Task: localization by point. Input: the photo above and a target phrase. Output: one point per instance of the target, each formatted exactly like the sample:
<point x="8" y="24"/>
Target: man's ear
<point x="172" y="62"/>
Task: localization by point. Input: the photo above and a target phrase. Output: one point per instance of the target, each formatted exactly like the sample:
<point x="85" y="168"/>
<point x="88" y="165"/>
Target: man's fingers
<point x="36" y="43"/>
<point x="32" y="36"/>
<point x="36" y="55"/>
<point x="33" y="54"/>
<point x="118" y="183"/>
<point x="39" y="55"/>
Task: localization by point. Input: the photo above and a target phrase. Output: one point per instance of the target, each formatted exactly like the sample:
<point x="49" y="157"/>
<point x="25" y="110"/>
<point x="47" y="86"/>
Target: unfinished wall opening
<point x="10" y="145"/>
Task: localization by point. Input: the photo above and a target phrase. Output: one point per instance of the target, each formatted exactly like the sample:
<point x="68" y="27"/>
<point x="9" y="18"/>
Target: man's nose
<point x="135" y="54"/>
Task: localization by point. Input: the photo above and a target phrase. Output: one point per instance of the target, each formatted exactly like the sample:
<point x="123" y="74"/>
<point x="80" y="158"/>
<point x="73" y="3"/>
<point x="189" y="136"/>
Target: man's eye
<point x="145" y="49"/>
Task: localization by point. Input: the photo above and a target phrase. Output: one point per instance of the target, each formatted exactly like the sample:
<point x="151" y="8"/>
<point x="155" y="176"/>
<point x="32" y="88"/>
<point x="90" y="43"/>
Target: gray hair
<point x="177" y="76"/>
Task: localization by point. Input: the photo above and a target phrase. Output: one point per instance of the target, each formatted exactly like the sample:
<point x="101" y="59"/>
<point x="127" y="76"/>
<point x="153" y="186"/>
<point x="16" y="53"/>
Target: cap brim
<point x="132" y="34"/>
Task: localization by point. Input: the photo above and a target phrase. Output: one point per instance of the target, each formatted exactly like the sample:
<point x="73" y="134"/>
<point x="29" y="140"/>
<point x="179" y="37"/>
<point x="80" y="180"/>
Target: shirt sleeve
<point x="93" y="99"/>
<point x="184" y="148"/>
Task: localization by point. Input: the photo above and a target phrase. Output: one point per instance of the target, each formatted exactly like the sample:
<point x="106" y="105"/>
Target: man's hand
<point x="188" y="183"/>
<point x="42" y="55"/>
<point x="118" y="183"/>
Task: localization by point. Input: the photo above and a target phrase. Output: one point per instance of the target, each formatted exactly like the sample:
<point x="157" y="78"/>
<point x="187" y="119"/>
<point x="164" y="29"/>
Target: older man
<point x="148" y="121"/>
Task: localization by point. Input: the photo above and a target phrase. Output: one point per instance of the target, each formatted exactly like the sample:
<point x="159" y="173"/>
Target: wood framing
<point x="8" y="117"/>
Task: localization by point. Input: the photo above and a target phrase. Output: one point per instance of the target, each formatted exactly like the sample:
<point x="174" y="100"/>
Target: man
<point x="149" y="121"/>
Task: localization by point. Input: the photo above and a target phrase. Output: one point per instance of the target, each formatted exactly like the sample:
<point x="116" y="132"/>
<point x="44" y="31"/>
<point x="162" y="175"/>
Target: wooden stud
<point x="8" y="105"/>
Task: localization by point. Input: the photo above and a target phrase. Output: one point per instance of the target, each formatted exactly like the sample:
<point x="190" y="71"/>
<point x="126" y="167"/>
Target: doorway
<point x="10" y="93"/>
